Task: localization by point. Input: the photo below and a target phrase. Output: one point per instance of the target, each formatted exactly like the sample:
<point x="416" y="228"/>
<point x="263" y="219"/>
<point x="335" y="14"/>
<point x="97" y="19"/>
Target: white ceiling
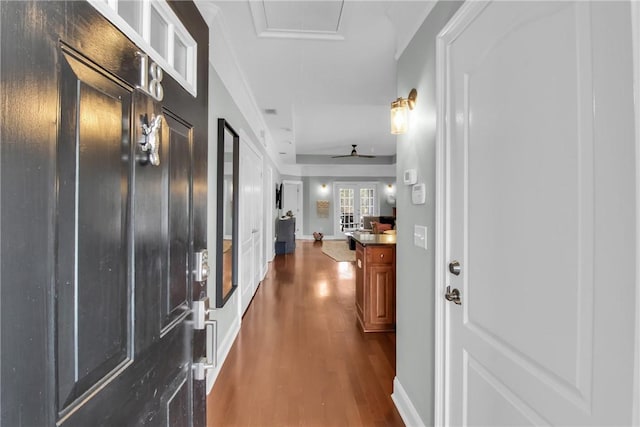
<point x="328" y="68"/>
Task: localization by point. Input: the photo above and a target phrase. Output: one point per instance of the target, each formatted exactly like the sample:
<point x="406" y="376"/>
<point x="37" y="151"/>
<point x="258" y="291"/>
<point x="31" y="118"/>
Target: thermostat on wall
<point x="418" y="194"/>
<point x="410" y="176"/>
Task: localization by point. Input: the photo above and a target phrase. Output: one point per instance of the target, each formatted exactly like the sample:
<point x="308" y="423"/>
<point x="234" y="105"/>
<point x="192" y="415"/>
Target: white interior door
<point x="250" y="223"/>
<point x="257" y="219"/>
<point x="540" y="207"/>
<point x="268" y="202"/>
<point x="292" y="201"/>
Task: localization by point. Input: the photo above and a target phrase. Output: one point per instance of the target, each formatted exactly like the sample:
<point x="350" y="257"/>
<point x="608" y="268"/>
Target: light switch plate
<point x="420" y="236"/>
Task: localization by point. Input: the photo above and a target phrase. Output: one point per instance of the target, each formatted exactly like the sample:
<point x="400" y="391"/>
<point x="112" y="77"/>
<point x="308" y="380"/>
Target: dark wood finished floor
<point x="300" y="358"/>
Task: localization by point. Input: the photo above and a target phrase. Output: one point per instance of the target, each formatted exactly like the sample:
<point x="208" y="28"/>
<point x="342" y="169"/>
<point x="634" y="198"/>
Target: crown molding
<point x="223" y="59"/>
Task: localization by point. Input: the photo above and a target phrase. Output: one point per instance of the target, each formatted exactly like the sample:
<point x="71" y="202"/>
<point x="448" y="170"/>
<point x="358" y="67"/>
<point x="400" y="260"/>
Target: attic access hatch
<point x="298" y="19"/>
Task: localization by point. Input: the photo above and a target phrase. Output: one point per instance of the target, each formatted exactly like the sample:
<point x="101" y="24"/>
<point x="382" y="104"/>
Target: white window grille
<point x="155" y="28"/>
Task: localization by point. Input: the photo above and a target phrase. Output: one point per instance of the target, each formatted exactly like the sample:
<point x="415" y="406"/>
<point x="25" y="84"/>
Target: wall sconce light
<point x="324" y="189"/>
<point x="400" y="112"/>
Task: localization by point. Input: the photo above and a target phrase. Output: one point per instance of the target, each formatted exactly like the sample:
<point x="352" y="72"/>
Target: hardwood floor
<point x="300" y="358"/>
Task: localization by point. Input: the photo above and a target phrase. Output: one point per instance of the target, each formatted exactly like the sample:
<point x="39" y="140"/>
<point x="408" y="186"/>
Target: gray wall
<point x="415" y="266"/>
<point x="221" y="105"/>
<point x="312" y="192"/>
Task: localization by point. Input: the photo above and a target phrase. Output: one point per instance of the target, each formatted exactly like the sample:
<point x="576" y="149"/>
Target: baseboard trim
<point x="405" y="407"/>
<point x="223" y="352"/>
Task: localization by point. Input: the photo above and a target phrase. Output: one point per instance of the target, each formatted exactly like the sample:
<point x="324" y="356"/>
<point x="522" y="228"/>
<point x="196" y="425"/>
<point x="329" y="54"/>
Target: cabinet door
<point x="381" y="310"/>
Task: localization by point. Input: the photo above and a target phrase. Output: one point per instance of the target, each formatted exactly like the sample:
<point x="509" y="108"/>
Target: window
<point x="153" y="26"/>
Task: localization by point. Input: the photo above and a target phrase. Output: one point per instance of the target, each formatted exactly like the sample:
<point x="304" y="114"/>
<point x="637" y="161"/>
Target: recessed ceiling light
<point x="282" y="152"/>
<point x="271" y="111"/>
<point x="286" y="129"/>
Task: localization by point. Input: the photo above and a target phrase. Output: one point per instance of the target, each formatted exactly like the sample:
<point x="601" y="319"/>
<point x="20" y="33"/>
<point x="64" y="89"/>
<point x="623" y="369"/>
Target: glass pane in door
<point x="347" y="210"/>
<point x="367" y="203"/>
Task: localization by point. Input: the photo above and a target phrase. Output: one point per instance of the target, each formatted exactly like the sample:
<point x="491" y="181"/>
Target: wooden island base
<point x="376" y="281"/>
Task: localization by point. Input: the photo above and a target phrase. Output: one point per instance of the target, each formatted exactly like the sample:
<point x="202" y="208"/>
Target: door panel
<point x="177" y="178"/>
<point x="100" y="243"/>
<point x="250" y="223"/>
<point x="526" y="345"/>
<point x="92" y="222"/>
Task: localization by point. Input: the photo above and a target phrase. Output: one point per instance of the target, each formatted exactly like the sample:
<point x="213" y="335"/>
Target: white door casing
<point x="535" y="186"/>
<point x="635" y="27"/>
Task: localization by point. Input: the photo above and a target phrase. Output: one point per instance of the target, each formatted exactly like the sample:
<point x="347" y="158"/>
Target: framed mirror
<point x="227" y="213"/>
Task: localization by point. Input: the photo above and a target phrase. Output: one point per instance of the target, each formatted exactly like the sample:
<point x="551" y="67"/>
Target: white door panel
<point x="251" y="216"/>
<point x="529" y="344"/>
<point x="292" y="200"/>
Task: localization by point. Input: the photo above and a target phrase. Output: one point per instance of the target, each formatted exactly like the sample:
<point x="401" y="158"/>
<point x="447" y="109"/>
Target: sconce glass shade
<point x="399" y="116"/>
<point x="400" y="112"/>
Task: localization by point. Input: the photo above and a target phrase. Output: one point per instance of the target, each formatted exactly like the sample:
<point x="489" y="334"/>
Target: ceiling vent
<point x="271" y="111"/>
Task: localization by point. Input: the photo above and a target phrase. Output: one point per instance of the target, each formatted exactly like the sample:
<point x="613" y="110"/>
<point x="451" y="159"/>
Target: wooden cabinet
<point x="376" y="287"/>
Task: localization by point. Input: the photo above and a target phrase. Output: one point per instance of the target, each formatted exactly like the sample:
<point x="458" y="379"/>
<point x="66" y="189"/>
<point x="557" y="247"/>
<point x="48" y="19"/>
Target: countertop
<point x="366" y="239"/>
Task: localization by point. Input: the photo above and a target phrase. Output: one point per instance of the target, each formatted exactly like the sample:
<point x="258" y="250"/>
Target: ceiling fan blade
<point x="354" y="153"/>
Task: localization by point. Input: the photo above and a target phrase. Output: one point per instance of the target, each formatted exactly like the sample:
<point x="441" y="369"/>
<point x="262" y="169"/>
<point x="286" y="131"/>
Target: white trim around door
<point x="635" y="26"/>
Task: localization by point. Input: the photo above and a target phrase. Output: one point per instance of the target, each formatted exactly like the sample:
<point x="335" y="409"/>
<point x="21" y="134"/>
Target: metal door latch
<point x="452" y="295"/>
<point x="201" y="320"/>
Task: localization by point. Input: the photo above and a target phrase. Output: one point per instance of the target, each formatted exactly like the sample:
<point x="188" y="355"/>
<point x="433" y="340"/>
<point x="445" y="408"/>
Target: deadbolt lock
<point x="455" y="268"/>
<point x="201" y="266"/>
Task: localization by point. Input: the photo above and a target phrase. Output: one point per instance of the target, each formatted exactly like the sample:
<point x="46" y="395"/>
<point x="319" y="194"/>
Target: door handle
<point x="453" y="295"/>
<point x="201" y="320"/>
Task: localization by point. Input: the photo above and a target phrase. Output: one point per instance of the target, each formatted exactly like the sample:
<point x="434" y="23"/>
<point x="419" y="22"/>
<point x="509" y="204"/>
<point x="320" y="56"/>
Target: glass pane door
<point x="353" y="202"/>
<point x="347" y="212"/>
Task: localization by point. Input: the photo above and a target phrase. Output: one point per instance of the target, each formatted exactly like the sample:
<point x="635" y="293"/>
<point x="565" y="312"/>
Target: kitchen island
<point x="376" y="281"/>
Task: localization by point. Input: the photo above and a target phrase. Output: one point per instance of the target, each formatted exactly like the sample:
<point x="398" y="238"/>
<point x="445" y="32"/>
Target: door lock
<point x="455" y="268"/>
<point x="453" y="295"/>
<point x="201" y="266"/>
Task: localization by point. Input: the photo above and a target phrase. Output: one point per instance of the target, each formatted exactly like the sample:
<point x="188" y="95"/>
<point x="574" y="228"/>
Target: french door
<point x="353" y="201"/>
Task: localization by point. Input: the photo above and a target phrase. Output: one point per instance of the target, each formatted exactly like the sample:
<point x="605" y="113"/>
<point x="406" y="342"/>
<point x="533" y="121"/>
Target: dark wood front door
<point x="97" y="242"/>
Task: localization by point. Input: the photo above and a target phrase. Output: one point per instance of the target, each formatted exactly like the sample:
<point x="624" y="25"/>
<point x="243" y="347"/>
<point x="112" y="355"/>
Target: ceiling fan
<point x="354" y="153"/>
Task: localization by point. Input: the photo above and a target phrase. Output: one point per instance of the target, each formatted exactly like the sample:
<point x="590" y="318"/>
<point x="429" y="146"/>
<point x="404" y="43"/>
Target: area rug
<point x="338" y="250"/>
